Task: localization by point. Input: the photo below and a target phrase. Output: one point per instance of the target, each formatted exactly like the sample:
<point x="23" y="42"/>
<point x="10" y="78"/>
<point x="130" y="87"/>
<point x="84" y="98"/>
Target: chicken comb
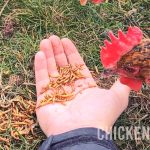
<point x="83" y="2"/>
<point x="119" y="46"/>
<point x="97" y="1"/>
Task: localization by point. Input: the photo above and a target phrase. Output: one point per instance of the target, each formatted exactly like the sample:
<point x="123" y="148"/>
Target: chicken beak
<point x="83" y="2"/>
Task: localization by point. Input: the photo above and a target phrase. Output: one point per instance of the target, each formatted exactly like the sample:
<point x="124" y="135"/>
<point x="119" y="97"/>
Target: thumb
<point x="122" y="92"/>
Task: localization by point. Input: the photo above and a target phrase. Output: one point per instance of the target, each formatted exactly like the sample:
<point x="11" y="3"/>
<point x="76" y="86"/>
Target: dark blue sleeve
<point x="80" y="139"/>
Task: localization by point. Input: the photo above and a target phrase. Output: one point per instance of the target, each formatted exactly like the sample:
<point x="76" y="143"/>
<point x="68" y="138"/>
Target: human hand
<point x="93" y="107"/>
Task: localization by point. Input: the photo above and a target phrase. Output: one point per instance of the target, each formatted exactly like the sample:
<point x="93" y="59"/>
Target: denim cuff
<point x="80" y="139"/>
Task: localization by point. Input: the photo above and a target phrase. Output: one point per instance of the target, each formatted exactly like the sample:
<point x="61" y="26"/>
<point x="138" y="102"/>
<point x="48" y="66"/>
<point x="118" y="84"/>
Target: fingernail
<point x="54" y="74"/>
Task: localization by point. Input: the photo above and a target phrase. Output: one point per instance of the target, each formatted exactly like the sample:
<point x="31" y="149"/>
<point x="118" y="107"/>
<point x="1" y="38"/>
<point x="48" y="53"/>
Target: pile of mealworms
<point x="67" y="77"/>
<point x="16" y="119"/>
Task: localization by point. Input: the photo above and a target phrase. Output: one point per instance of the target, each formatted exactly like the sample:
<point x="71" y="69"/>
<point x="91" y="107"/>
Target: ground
<point x="24" y="23"/>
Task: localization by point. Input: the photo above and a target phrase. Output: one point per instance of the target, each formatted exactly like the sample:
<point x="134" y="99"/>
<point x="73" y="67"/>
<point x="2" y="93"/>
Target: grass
<point x="30" y="21"/>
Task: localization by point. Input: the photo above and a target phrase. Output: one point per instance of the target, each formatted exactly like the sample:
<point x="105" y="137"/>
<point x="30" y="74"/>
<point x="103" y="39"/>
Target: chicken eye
<point x="147" y="46"/>
<point x="137" y="48"/>
<point x="133" y="70"/>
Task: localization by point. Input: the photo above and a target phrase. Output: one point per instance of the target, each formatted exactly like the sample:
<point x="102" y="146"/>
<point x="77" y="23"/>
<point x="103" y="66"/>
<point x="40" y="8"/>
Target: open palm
<point x="93" y="107"/>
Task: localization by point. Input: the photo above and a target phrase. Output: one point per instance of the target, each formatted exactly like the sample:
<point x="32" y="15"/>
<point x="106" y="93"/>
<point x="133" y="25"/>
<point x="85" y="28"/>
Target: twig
<point x="4" y="7"/>
<point x="28" y="83"/>
<point x="1" y="80"/>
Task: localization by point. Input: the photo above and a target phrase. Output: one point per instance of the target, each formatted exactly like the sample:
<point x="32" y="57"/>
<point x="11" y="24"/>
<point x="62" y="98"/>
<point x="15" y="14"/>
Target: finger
<point x="41" y="72"/>
<point x="46" y="47"/>
<point x="73" y="55"/>
<point x="58" y="50"/>
<point x="120" y="88"/>
<point x="74" y="58"/>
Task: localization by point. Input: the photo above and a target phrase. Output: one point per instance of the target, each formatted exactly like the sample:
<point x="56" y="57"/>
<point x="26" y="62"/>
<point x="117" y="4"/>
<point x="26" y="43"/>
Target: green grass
<point x="86" y="26"/>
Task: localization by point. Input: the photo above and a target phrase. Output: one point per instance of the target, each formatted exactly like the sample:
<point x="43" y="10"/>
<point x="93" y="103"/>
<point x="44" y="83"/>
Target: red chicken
<point x="129" y="56"/>
<point x="83" y="2"/>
